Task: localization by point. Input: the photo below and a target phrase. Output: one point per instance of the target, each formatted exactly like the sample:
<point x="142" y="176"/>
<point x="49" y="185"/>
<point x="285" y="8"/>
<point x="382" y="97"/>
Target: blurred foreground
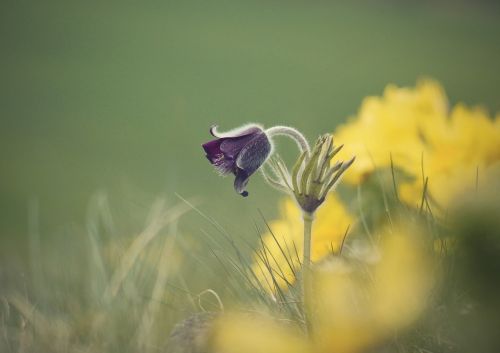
<point x="406" y="258"/>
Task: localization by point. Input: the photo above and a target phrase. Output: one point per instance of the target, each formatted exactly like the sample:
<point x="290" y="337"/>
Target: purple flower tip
<point x="241" y="152"/>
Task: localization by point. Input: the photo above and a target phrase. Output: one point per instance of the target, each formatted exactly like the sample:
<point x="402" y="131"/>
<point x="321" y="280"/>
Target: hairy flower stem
<point x="308" y="221"/>
<point x="306" y="269"/>
<point x="292" y="133"/>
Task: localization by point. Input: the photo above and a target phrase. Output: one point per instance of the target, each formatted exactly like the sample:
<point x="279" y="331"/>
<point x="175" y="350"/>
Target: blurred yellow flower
<point x="353" y="308"/>
<point x="390" y="125"/>
<point x="236" y="333"/>
<point x="355" y="311"/>
<point x="461" y="151"/>
<point x="281" y="253"/>
<point x="416" y="128"/>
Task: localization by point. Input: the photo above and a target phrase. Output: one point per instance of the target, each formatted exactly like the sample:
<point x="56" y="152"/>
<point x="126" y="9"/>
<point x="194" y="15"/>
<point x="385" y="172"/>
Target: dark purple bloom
<point x="241" y="152"/>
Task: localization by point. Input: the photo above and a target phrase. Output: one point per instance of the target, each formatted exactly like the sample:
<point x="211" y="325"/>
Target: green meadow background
<point x="117" y="96"/>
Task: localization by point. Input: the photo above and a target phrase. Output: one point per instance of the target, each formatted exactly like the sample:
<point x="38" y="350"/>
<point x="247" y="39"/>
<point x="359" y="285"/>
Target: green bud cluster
<point x="312" y="176"/>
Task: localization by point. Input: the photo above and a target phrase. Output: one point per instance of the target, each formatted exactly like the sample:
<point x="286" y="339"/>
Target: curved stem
<point x="294" y="134"/>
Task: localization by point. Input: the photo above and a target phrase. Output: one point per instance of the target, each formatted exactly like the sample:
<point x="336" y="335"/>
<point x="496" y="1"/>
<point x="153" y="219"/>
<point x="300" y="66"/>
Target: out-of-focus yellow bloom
<point x="244" y="334"/>
<point x="353" y="308"/>
<point x="282" y="254"/>
<point x="461" y="150"/>
<point x="390" y="125"/>
<point x="416" y="128"/>
<point x="355" y="311"/>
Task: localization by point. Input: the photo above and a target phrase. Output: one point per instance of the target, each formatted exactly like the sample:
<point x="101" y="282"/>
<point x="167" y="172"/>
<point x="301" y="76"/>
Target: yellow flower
<point x="235" y="333"/>
<point x="461" y="151"/>
<point x="281" y="253"/>
<point x="390" y="125"/>
<point x="355" y="311"/>
<point x="415" y="127"/>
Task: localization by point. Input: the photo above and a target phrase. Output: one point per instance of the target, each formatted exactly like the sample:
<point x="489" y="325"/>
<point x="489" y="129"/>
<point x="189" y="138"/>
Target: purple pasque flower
<point x="241" y="151"/>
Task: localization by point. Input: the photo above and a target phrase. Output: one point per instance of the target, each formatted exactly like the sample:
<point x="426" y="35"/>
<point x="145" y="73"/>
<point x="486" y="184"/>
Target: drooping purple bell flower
<point x="241" y="152"/>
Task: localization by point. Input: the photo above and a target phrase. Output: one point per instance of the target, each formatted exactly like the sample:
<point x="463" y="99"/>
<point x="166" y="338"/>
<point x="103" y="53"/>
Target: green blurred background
<point x="119" y="95"/>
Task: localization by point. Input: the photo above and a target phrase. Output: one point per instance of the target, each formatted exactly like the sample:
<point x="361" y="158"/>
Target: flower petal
<point x="241" y="181"/>
<point x="212" y="149"/>
<point x="254" y="154"/>
<point x="231" y="147"/>
<point x="251" y="158"/>
<point x="222" y="163"/>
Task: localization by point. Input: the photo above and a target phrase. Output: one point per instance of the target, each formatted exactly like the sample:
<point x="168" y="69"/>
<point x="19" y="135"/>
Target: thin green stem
<point x="308" y="220"/>
<point x="306" y="268"/>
